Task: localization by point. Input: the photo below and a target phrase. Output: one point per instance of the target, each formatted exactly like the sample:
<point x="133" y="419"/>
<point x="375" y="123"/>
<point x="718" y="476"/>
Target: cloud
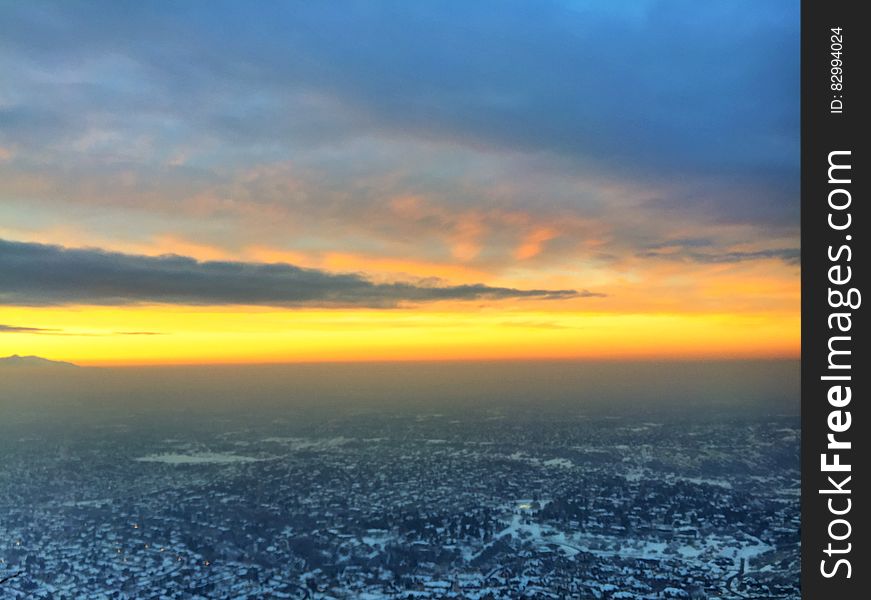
<point x="613" y="125"/>
<point x="61" y="332"/>
<point x="491" y="72"/>
<point x="648" y="88"/>
<point x="18" y="329"/>
<point x="38" y="274"/>
<point x="790" y="256"/>
<point x="137" y="333"/>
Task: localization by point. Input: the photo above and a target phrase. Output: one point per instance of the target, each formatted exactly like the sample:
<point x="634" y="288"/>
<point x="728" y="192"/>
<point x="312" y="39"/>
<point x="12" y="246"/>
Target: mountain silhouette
<point x="32" y="361"/>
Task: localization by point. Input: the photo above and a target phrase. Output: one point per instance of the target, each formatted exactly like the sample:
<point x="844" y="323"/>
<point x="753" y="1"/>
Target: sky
<point x="234" y="182"/>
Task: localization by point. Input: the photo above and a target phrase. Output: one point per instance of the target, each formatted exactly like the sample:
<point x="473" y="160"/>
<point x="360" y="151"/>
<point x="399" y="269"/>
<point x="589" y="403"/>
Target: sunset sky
<point x="190" y="182"/>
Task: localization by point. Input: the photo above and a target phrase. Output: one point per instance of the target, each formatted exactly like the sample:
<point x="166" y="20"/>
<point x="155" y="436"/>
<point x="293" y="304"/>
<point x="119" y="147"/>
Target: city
<point x="392" y="504"/>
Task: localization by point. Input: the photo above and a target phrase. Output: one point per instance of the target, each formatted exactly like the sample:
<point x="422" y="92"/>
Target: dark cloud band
<point x="38" y="274"/>
<point x="18" y="329"/>
<point x="788" y="255"/>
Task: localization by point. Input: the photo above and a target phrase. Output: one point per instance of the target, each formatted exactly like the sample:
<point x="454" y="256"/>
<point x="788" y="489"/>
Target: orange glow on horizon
<point x="103" y="336"/>
<point x="654" y="309"/>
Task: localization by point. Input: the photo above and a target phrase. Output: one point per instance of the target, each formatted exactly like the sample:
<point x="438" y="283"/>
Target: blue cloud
<point x="39" y="274"/>
<point x="701" y="93"/>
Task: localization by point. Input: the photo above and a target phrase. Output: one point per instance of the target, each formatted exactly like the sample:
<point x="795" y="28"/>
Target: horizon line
<point x="411" y="361"/>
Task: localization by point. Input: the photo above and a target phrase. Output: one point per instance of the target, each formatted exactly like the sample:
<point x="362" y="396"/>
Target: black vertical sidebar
<point x="835" y="369"/>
